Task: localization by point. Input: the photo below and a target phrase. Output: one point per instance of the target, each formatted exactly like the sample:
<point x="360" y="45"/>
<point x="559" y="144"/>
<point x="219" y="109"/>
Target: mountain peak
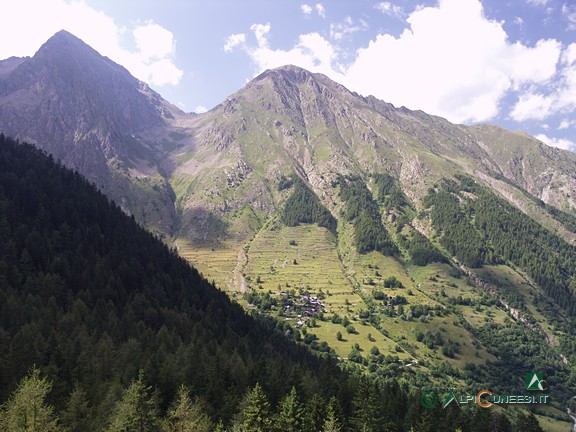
<point x="65" y="44"/>
<point x="64" y="35"/>
<point x="290" y="72"/>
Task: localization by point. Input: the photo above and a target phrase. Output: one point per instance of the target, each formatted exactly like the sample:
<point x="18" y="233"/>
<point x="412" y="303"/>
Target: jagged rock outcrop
<point x="94" y="116"/>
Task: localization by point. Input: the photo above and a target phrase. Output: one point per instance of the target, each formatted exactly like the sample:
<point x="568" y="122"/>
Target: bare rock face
<point x="88" y="112"/>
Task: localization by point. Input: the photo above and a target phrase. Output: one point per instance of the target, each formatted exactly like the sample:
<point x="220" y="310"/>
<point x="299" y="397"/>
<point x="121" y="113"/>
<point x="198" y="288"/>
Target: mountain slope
<point x="290" y="124"/>
<point x="296" y="143"/>
<point x="93" y="115"/>
<point x="91" y="297"/>
<point x="92" y="300"/>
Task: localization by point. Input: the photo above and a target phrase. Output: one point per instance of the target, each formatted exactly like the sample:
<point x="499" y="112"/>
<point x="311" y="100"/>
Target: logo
<point x="450" y="397"/>
<point x="480" y="401"/>
<point x="535" y="381"/>
<point x="429" y="399"/>
<point x="485" y="398"/>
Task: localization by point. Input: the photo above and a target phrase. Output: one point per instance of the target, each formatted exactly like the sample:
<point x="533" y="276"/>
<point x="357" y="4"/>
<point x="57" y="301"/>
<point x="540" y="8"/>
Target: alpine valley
<point x="405" y="247"/>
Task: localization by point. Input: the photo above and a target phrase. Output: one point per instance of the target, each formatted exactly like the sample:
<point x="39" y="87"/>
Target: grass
<point x="550" y="424"/>
<point x="326" y="331"/>
<point x="297" y="257"/>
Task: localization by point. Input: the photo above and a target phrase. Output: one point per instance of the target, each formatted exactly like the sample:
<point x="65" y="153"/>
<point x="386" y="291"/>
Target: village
<point x="301" y="308"/>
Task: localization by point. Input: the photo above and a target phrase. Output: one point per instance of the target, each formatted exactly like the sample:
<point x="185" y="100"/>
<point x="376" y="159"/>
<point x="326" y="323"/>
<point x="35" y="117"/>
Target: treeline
<point x="420" y="248"/>
<point x="566" y="219"/>
<point x="458" y="235"/>
<point x="361" y="209"/>
<point x="90" y="298"/>
<point x="389" y="192"/>
<point x="373" y="407"/>
<point x="516" y="237"/>
<point x="303" y="206"/>
<point x="549" y="260"/>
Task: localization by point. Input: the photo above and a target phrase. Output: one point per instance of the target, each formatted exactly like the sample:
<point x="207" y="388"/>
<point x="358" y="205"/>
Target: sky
<point x="506" y="62"/>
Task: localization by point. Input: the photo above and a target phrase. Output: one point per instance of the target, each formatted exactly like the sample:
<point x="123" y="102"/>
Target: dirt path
<point x="239" y="280"/>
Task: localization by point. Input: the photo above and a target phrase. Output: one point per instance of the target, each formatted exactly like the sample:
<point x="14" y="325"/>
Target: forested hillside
<point x="102" y="327"/>
<point x="91" y="298"/>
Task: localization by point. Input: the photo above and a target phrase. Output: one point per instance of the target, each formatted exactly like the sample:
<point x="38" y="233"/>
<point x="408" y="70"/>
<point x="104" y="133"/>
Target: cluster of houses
<point x="302" y="308"/>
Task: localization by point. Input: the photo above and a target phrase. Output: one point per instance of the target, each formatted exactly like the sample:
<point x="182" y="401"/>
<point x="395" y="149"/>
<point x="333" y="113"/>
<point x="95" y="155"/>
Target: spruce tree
<point x="290" y="414"/>
<point x="332" y="423"/>
<point x="27" y="410"/>
<point x="314" y="414"/>
<point x="529" y="423"/>
<point x="186" y="415"/>
<point x="256" y="413"/>
<point x="367" y="415"/>
<point x="137" y="411"/>
<point x="76" y="415"/>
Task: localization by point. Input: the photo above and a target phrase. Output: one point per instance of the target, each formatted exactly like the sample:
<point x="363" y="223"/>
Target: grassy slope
<point x="343" y="274"/>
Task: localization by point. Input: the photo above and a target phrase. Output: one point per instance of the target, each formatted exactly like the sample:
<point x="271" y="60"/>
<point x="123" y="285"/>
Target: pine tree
<point x="529" y="423"/>
<point x="256" y="415"/>
<point x="314" y="414"/>
<point x="368" y="411"/>
<point x="291" y="413"/>
<point x="76" y="415"/>
<point x="137" y="411"/>
<point x="27" y="411"/>
<point x="186" y="415"/>
<point x="499" y="423"/>
<point x="220" y="427"/>
<point x="332" y="422"/>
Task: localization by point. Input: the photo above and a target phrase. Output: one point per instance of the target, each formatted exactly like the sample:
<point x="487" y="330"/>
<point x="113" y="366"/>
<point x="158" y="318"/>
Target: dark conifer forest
<point x="303" y="206"/>
<point x="361" y="209"/>
<point x="104" y="328"/>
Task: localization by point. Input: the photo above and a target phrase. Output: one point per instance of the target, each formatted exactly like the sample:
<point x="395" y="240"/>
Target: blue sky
<point x="508" y="62"/>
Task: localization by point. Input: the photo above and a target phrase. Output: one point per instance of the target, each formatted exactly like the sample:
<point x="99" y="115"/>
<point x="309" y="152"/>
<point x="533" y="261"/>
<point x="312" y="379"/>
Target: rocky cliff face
<point x="91" y="113"/>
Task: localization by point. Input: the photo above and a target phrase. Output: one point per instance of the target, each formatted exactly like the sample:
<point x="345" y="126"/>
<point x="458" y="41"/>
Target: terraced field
<point x="304" y="256"/>
<point x="215" y="263"/>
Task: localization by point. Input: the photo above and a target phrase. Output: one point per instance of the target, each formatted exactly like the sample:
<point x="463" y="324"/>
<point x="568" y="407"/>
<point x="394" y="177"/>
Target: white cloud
<point x="234" y="40"/>
<point x="346" y="27"/>
<point x="154" y="41"/>
<point x="311" y="52"/>
<point x="566" y="124"/>
<point x="451" y="61"/>
<point x="391" y="9"/>
<point x="532" y="106"/>
<point x="318" y="7"/>
<point x="562" y="143"/>
<point x="152" y="61"/>
<point x="261" y="32"/>
<point x="555" y="97"/>
<point x="200" y="109"/>
<point x="538" y="2"/>
<point x="306" y="9"/>
<point x="569" y="12"/>
<point x="156" y="48"/>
